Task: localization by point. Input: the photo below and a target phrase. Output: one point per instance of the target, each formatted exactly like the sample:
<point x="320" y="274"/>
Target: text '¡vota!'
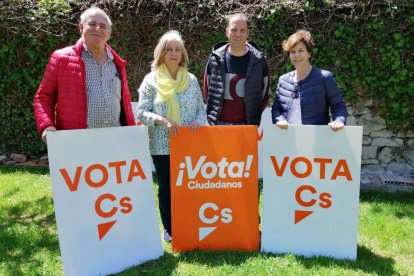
<point x="200" y="173"/>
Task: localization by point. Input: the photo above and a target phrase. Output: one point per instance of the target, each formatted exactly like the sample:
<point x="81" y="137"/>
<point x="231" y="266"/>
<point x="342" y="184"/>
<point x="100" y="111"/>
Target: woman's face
<point x="173" y="55"/>
<point x="299" y="55"/>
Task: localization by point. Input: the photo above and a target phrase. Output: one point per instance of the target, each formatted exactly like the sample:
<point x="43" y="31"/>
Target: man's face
<point x="237" y="32"/>
<point x="95" y="31"/>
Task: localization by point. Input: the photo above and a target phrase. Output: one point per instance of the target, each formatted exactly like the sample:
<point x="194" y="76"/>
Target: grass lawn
<point x="29" y="243"/>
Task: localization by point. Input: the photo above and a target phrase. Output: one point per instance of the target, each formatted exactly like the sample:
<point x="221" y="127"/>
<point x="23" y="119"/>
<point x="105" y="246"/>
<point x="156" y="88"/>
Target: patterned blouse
<point x="191" y="108"/>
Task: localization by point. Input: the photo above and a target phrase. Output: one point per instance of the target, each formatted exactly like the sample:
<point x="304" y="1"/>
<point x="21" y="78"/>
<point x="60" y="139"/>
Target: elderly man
<point x="84" y="85"/>
<point x="236" y="79"/>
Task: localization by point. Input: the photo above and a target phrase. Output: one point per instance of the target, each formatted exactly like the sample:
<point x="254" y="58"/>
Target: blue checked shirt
<point x="103" y="86"/>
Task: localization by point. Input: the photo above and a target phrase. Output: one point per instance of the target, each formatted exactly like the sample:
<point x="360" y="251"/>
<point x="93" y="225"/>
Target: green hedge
<point x="366" y="44"/>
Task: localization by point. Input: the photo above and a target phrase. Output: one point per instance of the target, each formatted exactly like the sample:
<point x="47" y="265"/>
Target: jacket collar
<point x="78" y="47"/>
<point x="108" y="53"/>
<point x="220" y="49"/>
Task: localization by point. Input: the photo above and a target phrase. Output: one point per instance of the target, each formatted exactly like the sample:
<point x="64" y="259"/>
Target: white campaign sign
<point x="266" y="120"/>
<point x="311" y="178"/>
<point x="104" y="199"/>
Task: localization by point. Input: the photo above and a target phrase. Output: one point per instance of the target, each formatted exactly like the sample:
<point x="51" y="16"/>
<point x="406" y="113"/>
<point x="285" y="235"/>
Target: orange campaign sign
<point x="214" y="188"/>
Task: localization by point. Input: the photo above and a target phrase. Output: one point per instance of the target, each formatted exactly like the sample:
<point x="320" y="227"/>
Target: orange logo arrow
<point x="260" y="135"/>
<point x="103" y="228"/>
<point x="300" y="215"/>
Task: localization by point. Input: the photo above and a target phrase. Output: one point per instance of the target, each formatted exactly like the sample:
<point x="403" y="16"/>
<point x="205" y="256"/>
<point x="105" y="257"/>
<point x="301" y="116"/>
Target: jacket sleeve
<point x="146" y="93"/>
<point x="266" y="87"/>
<point x="206" y="77"/>
<point x="201" y="116"/>
<point x="277" y="109"/>
<point x="45" y="99"/>
<point x="126" y="100"/>
<point x="335" y="99"/>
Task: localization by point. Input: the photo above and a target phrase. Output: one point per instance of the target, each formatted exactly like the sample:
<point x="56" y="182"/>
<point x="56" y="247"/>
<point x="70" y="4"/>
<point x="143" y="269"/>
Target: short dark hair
<point x="238" y="16"/>
<point x="300" y="36"/>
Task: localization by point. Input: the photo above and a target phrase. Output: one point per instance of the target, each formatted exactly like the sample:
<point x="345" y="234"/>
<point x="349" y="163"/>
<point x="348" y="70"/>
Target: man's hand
<point x="44" y="133"/>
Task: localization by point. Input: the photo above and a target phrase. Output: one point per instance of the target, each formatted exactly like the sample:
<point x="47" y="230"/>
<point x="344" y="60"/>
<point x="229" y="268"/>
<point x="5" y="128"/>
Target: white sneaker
<point x="167" y="236"/>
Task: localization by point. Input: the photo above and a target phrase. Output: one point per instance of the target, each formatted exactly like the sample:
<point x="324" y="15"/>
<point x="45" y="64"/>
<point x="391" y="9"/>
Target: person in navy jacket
<point x="236" y="78"/>
<point x="307" y="95"/>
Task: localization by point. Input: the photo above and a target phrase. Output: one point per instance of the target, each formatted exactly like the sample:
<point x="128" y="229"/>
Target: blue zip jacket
<point x="214" y="85"/>
<point x="319" y="95"/>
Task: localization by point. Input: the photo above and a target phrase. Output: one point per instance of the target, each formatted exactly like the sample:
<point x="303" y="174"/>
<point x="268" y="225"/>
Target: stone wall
<point x="387" y="157"/>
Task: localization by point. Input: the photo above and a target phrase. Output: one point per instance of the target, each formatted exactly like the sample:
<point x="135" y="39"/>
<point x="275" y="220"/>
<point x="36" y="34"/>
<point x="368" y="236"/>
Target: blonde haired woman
<point x="169" y="97"/>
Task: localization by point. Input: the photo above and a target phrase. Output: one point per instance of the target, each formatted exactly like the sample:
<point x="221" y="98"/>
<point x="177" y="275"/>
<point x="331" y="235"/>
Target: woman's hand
<point x="193" y="125"/>
<point x="335" y="126"/>
<point x="171" y="126"/>
<point x="282" y="124"/>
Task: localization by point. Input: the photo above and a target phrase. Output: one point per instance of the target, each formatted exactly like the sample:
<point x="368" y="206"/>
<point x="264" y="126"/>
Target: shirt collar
<point x="108" y="53"/>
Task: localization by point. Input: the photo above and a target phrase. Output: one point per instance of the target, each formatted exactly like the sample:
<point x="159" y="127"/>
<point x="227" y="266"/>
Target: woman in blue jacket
<point x="307" y="95"/>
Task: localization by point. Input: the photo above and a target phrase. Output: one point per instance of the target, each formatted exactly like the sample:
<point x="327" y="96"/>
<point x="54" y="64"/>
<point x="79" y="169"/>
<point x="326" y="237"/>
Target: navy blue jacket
<point x="214" y="85"/>
<point x="319" y="94"/>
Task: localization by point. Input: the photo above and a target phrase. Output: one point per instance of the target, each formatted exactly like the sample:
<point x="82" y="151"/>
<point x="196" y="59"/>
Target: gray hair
<point x="93" y="10"/>
<point x="162" y="46"/>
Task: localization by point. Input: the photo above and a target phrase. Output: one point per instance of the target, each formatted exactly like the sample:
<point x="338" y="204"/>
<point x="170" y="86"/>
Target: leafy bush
<point x="366" y="44"/>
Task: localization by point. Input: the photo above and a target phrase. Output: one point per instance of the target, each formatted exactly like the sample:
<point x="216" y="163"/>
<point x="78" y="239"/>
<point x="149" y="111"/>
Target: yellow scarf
<point x="167" y="88"/>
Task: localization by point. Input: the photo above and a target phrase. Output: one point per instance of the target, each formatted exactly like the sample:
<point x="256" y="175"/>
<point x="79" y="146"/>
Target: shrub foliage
<point x="366" y="44"/>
